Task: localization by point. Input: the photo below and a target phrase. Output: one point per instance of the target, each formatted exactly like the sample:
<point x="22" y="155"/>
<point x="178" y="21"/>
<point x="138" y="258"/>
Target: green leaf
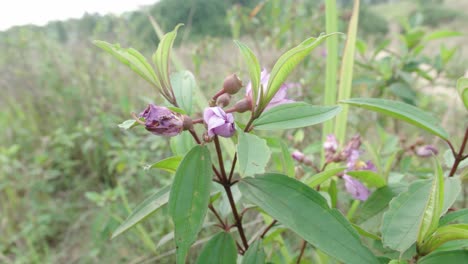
<point x="281" y="156"/>
<point x="170" y="164"/>
<point x="161" y="57"/>
<point x="442" y="34"/>
<point x="305" y="211"/>
<point x="128" y="124"/>
<point x="372" y="179"/>
<point x="132" y="58"/>
<point x="321" y="177"/>
<point x="189" y="198"/>
<point x="365" y="233"/>
<point x="378" y="202"/>
<point x="402" y="111"/>
<point x="287" y="62"/>
<point x="143" y="210"/>
<point x="457" y="216"/>
<point x="446" y="257"/>
<point x="253" y="66"/>
<point x="346" y="72"/>
<point x="443" y="235"/>
<point x="434" y="206"/>
<point x="401" y="222"/>
<point x="462" y="87"/>
<point x="452" y="189"/>
<point x="182" y="143"/>
<point x="220" y="249"/>
<point x="255" y="254"/>
<point x="253" y="154"/>
<point x="333" y="192"/>
<point x="454" y="245"/>
<point x="329" y="92"/>
<point x="449" y="160"/>
<point x="183" y="85"/>
<point x="294" y="115"/>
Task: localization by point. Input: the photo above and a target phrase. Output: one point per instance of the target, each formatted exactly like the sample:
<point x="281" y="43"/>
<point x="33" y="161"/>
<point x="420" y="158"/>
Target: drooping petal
<point x="356" y="188"/>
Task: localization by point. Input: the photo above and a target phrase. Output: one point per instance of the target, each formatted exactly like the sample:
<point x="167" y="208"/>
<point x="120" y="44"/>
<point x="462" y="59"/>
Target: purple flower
<point x="281" y="95"/>
<point x="356" y="188"/>
<point x="161" y="121"/>
<point x="353" y="159"/>
<point x="426" y="151"/>
<point x="297" y="155"/>
<point x="219" y="123"/>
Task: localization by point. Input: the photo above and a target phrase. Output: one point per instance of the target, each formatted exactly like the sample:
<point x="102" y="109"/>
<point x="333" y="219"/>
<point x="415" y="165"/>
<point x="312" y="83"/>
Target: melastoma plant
<point x="227" y="166"/>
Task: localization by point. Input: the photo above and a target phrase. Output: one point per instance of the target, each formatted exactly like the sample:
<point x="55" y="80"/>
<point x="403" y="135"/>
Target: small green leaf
<point x="333" y="192"/>
<point x="143" y="210"/>
<point x="457" y="216"/>
<point x="446" y="257"/>
<point x="255" y="254"/>
<point x="170" y="164"/>
<point x="372" y="179"/>
<point x="286" y="64"/>
<point x="462" y="87"/>
<point x="132" y="58"/>
<point x="305" y="211"/>
<point x="183" y="85"/>
<point x="434" y="206"/>
<point x="443" y="235"/>
<point x="402" y="111"/>
<point x="321" y="177"/>
<point x="221" y="248"/>
<point x="294" y="115"/>
<point x="161" y="58"/>
<point x="442" y="34"/>
<point x="253" y="66"/>
<point x="131" y="123"/>
<point x="365" y="233"/>
<point x="253" y="154"/>
<point x="189" y="198"/>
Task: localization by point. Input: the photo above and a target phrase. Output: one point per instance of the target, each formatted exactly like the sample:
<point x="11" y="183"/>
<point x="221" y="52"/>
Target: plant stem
<point x="238" y="220"/>
<point x="234" y="161"/>
<point x="213" y="210"/>
<point x="459" y="157"/>
<point x="303" y="246"/>
<point x="268" y="228"/>
<point x="227" y="187"/>
<point x="220" y="159"/>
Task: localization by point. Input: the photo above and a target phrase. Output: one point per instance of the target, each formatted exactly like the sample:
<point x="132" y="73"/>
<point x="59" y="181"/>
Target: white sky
<point x="39" y="12"/>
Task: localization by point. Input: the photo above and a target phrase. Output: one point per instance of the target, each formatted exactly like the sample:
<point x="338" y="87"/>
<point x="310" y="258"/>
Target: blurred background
<point x="69" y="175"/>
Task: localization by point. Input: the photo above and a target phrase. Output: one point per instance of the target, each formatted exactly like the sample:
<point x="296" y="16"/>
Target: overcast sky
<point x="39" y="12"/>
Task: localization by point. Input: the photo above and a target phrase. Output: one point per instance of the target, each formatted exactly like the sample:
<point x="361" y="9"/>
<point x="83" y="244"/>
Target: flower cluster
<point x="162" y="121"/>
<point x="350" y="154"/>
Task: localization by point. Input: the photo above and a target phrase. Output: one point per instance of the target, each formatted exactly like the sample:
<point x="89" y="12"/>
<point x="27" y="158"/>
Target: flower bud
<point x="298" y="156"/>
<point x="218" y="122"/>
<point x="232" y="84"/>
<point x="331" y="144"/>
<point x="223" y="100"/>
<point x="243" y="105"/>
<point x="426" y="151"/>
<point x="161" y="121"/>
